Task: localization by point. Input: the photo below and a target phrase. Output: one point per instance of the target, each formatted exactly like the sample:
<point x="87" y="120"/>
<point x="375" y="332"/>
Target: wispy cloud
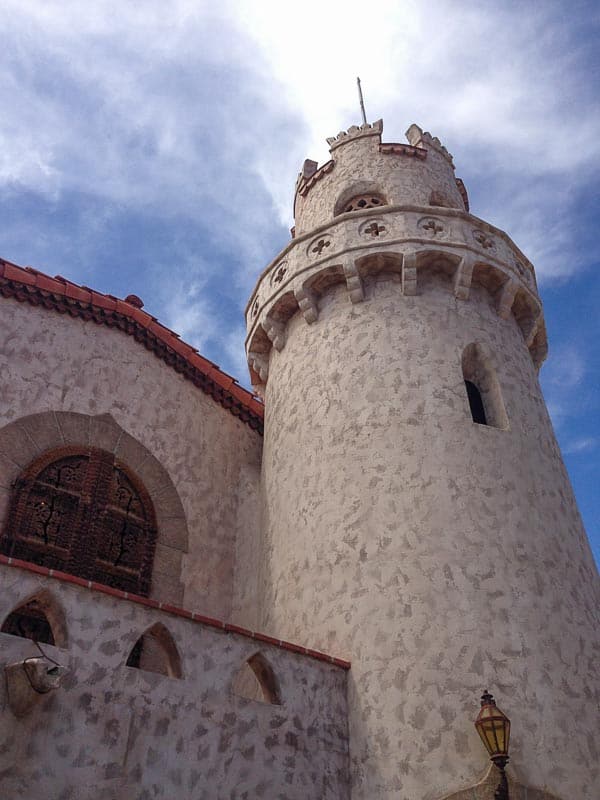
<point x="580" y="446"/>
<point x="202" y="115"/>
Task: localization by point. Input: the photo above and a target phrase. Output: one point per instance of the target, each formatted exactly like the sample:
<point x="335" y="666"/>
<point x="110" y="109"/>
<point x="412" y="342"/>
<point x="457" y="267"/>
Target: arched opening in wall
<point x="284" y="308"/>
<point x="378" y="268"/>
<point x="359" y="197"/>
<point x="82" y="511"/>
<point x="482" y="388"/>
<point x="526" y="312"/>
<point x="256" y="680"/>
<point x="436" y="269"/>
<point x="475" y="403"/>
<point x="380" y="263"/>
<point x="39" y="618"/>
<point x="156" y="651"/>
<point x="325" y="282"/>
<point x="489" y="278"/>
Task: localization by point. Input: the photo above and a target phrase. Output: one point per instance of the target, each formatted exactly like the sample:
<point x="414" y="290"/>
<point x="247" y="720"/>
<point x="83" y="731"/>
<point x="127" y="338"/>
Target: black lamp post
<point x="494" y="728"/>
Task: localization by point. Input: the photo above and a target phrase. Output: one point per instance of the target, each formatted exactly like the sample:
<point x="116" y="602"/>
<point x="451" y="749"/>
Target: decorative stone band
<point x="394" y="239"/>
<point x="7" y="561"/>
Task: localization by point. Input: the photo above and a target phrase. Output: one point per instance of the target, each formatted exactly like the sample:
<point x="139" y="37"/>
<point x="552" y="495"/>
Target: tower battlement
<point x="356" y="132"/>
<point x="420" y="172"/>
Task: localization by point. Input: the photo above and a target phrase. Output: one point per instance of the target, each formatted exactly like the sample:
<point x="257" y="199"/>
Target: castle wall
<point x="113" y="732"/>
<point x="200" y="463"/>
<point x="441" y="556"/>
<point x="402" y="177"/>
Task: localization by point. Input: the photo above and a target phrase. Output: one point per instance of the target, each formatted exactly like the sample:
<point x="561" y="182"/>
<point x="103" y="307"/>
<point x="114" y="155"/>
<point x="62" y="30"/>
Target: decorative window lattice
<point x="83" y="512"/>
<point x="362" y="201"/>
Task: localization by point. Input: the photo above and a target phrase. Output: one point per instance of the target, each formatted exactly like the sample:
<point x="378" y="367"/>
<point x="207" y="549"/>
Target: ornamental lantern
<point x="494" y="729"/>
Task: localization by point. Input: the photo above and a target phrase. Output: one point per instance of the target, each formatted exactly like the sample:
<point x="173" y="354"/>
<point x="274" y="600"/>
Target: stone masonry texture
<point x="439" y="555"/>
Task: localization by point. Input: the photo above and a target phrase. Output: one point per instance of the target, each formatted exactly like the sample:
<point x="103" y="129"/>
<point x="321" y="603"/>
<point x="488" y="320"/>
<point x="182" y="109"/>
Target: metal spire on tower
<point x="362" y="104"/>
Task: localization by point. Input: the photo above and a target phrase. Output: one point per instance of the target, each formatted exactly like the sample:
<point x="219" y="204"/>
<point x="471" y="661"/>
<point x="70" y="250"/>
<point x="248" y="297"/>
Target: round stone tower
<point x="417" y="516"/>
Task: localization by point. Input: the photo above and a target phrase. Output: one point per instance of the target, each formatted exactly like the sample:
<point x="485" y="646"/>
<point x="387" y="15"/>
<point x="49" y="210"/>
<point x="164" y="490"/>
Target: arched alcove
<point x="82" y="511"/>
<point x="156" y="651"/>
<point x="322" y="281"/>
<point x="482" y="388"/>
<point x="39" y="618"/>
<point x="359" y="197"/>
<point x="436" y="268"/>
<point x="379" y="263"/>
<point x="28" y="439"/>
<point x="284" y="308"/>
<point x="256" y="680"/>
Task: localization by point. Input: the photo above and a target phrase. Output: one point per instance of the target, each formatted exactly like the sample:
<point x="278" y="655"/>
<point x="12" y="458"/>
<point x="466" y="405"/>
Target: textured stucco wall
<point x="360" y="167"/>
<point x="50" y="362"/>
<point x="441" y="556"/>
<point x="117" y="733"/>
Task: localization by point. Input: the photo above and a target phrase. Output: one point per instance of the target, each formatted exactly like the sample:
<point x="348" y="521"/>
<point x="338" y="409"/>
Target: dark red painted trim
<point x="169" y="609"/>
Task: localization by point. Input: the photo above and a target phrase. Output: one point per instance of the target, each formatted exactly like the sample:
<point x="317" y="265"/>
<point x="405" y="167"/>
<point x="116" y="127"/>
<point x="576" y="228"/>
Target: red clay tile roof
<point x="27" y="285"/>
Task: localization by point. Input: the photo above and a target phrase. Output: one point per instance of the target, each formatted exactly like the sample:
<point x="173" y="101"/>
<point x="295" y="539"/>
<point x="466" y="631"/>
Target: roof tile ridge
<point x="76" y="294"/>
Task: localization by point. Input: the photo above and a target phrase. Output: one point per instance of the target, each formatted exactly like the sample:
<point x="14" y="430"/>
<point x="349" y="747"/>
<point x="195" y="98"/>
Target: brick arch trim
<point x="27" y="438"/>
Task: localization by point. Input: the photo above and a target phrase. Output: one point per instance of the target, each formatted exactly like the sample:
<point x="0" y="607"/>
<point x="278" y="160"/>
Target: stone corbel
<point x="531" y="329"/>
<point x="409" y="274"/>
<point x="259" y="362"/>
<point x="354" y="283"/>
<point x="275" y="331"/>
<point x="308" y="304"/>
<point x="462" y="278"/>
<point x="506" y="298"/>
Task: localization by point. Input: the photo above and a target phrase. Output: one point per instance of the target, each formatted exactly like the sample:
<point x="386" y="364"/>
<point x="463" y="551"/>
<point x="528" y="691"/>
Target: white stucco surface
<point x="441" y="556"/>
<point x="53" y="363"/>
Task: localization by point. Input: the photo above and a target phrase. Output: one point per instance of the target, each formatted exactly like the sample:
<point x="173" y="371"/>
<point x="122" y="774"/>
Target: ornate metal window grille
<point x="83" y="512"/>
<point x="363" y="201"/>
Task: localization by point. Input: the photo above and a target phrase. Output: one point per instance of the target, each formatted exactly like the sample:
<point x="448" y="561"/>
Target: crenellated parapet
<point x="407" y="242"/>
<point x="356" y="132"/>
<point x="420" y="138"/>
<point x="420" y="172"/>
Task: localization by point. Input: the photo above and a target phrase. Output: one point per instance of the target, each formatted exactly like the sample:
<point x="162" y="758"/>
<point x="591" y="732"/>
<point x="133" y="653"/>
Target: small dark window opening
<point x="156" y="651"/>
<point x="475" y="403"/>
<point x="256" y="680"/>
<point x="29" y="622"/>
<point x="136" y="654"/>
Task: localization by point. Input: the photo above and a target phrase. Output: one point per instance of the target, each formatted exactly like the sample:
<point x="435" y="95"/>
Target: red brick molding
<point x="170" y="609"/>
<point x="486" y="788"/>
<point x="28" y="438"/>
<point x="27" y="285"/>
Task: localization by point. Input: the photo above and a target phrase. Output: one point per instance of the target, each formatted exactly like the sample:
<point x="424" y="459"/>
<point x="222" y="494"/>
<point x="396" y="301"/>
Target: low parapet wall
<point x="113" y="731"/>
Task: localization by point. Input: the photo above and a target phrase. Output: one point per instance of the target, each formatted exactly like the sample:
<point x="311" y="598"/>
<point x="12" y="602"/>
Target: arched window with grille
<point x="84" y="512"/>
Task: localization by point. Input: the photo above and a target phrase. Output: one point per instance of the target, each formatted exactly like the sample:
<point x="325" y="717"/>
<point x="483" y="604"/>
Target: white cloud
<point x="205" y="112"/>
<point x="580" y="446"/>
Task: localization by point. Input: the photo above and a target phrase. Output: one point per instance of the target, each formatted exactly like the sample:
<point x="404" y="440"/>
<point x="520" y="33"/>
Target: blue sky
<point x="153" y="148"/>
